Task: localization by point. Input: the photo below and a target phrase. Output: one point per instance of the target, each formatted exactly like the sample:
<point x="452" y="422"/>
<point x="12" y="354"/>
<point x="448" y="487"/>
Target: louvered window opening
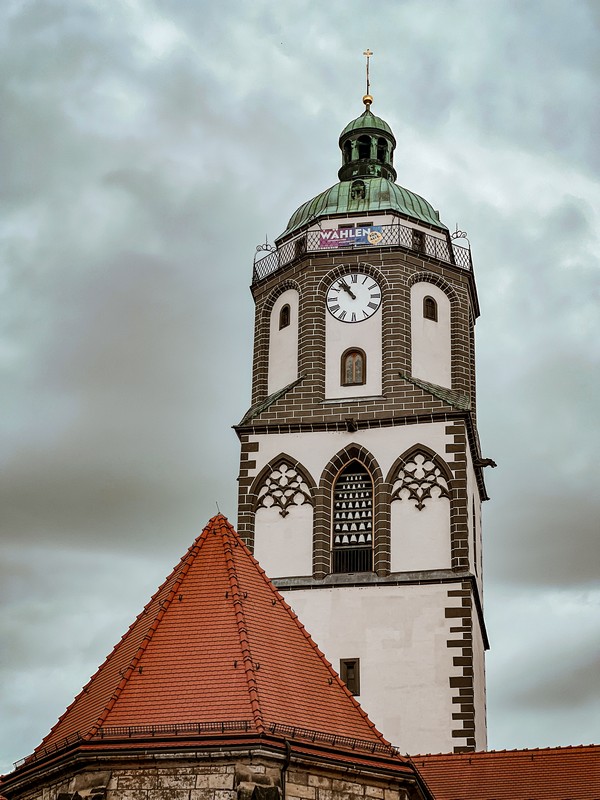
<point x="353" y="520"/>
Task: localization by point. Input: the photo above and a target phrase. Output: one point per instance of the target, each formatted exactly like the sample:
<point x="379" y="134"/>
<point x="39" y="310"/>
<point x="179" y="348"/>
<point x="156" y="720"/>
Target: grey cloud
<point x="147" y="152"/>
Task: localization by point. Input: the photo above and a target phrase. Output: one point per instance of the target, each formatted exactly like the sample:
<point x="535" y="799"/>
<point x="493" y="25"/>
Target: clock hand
<point x="346" y="288"/>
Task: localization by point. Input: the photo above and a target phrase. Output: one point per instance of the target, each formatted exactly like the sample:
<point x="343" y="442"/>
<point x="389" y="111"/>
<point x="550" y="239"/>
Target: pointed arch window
<point x="430" y="309"/>
<point x="284" y="316"/>
<point x="354" y="367"/>
<point x="352" y="520"/>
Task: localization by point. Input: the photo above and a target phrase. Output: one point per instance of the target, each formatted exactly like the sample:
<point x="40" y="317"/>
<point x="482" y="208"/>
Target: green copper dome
<point x="367" y="179"/>
<point x="367" y="120"/>
<point x="380" y="194"/>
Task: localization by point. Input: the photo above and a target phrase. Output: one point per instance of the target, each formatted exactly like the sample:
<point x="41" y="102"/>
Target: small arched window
<point x="381" y="150"/>
<point x="354" y="367"/>
<point x="284" y="316"/>
<point x="364" y="147"/>
<point x="347" y="152"/>
<point x="430" y="310"/>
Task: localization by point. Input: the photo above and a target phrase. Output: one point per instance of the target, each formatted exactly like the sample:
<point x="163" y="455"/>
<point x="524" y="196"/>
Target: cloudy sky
<point x="147" y="147"/>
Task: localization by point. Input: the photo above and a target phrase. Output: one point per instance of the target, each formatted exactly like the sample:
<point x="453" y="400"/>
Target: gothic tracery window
<point x="419" y="479"/>
<point x="284" y="488"/>
<point x="352" y="525"/>
<point x="354" y="367"/>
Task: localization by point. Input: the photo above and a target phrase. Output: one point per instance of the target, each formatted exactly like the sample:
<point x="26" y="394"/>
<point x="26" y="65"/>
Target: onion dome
<point x="367" y="144"/>
<point x="367" y="179"/>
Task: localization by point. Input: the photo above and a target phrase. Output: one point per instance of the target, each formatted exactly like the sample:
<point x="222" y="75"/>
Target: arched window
<point x="364" y="147"/>
<point x="284" y="316"/>
<point x="347" y="152"/>
<point x="354" y="367"/>
<point x="430" y="310"/>
<point x="352" y="520"/>
<point x="381" y="150"/>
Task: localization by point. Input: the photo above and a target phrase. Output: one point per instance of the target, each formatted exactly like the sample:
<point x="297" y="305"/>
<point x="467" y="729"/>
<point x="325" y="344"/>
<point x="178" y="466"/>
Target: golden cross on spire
<point x="367" y="99"/>
<point x="368" y="54"/>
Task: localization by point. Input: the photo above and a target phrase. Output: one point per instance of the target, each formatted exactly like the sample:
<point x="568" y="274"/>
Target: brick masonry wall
<point x="462" y="685"/>
<point x="397" y="271"/>
<point x="302" y="407"/>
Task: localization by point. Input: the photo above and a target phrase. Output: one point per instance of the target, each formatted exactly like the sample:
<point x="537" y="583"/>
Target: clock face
<point x="353" y="297"/>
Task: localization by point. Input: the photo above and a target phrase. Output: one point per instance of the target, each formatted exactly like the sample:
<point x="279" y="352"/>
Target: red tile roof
<point x="216" y="643"/>
<point x="559" y="773"/>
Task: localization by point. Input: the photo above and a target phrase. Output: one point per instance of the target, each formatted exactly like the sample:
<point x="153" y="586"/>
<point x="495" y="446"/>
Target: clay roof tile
<point x="217" y="643"/>
<point x="558" y="773"/>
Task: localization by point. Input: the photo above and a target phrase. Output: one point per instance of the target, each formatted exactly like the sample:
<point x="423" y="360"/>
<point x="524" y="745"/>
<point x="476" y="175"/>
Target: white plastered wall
<point x="399" y="633"/>
<point x="339" y="337"/>
<point x="283" y="545"/>
<point x="479" y="688"/>
<point x="283" y="344"/>
<point x="420" y="538"/>
<point x="475" y="542"/>
<point x="315" y="450"/>
<point x="430" y="340"/>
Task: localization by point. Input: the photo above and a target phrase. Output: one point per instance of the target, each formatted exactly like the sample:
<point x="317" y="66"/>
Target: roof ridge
<point x="550" y="750"/>
<point x="240" y="620"/>
<point x="184" y="566"/>
<point x="262" y="405"/>
<point x="451" y="397"/>
<point x="315" y="647"/>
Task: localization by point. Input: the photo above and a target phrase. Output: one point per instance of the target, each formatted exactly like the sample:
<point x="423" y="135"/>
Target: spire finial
<point x="367" y="99"/>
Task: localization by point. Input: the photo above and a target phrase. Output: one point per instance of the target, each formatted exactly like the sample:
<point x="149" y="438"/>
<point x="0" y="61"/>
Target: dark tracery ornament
<point x="419" y="479"/>
<point x="284" y="487"/>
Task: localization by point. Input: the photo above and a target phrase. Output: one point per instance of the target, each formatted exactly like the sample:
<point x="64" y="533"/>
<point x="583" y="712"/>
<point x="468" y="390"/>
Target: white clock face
<point x="353" y="297"/>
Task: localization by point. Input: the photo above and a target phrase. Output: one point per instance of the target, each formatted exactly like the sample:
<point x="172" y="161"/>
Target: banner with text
<point x="346" y="237"/>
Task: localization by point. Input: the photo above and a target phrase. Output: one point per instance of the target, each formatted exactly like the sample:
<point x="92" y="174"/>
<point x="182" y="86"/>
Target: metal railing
<point x="352" y="559"/>
<point x="200" y="728"/>
<point x="174" y="729"/>
<point x="390" y="236"/>
<point x="332" y="739"/>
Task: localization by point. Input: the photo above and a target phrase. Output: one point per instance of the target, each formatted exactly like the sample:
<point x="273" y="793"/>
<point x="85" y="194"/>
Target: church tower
<point x="360" y="481"/>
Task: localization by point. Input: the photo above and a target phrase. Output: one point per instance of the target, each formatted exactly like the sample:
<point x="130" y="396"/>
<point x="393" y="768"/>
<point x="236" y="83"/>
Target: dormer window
<point x="284" y="316"/>
<point x="357" y="190"/>
<point x="430" y="310"/>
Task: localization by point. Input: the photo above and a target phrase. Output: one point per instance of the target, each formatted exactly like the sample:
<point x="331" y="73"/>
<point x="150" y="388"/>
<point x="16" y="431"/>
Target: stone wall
<point x="253" y="778"/>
